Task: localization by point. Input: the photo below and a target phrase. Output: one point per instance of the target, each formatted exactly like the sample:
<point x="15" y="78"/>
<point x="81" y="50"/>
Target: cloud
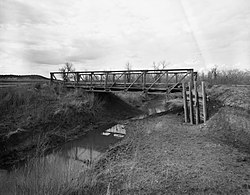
<point x="15" y="12"/>
<point x="108" y="33"/>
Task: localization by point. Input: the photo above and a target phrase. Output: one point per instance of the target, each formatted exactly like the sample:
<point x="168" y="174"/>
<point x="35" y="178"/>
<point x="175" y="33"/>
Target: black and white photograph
<point x="124" y="97"/>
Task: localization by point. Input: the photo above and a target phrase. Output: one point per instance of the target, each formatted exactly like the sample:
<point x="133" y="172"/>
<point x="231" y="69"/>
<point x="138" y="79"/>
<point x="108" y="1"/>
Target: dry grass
<point x="78" y="101"/>
<point x="44" y="175"/>
<point x="233" y="96"/>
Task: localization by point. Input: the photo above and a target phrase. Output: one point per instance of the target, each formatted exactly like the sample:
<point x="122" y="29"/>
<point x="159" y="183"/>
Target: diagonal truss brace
<point x="133" y="82"/>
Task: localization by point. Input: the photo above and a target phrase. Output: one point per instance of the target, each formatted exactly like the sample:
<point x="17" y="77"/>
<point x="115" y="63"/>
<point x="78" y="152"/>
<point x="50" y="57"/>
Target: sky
<point x="37" y="37"/>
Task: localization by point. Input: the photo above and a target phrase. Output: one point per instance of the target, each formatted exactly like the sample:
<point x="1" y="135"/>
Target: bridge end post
<point x="51" y="78"/>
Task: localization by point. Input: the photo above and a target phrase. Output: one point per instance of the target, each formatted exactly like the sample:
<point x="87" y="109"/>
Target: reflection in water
<point x="156" y="110"/>
<point x="88" y="148"/>
<point x="117" y="131"/>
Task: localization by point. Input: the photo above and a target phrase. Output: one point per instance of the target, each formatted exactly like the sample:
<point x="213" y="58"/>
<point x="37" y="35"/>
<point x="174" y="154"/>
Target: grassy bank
<point x="36" y="119"/>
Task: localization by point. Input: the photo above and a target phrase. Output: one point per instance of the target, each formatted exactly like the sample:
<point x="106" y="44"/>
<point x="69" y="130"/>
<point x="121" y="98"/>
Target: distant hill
<point x="23" y="77"/>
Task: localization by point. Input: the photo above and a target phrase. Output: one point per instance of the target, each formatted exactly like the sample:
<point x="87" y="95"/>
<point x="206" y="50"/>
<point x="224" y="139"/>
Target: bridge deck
<point x="149" y="81"/>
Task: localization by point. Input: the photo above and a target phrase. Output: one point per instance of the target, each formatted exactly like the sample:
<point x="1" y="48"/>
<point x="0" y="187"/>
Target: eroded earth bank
<point x="159" y="154"/>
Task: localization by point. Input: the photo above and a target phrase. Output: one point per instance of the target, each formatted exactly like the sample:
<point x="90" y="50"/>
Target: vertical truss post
<point x="167" y="75"/>
<point x="106" y="80"/>
<point x="125" y="80"/>
<point x="91" y="80"/>
<point x="144" y="78"/>
<point x="101" y="79"/>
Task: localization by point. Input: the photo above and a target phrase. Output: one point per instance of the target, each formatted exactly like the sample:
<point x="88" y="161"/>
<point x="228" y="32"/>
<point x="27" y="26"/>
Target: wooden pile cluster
<point x="195" y="103"/>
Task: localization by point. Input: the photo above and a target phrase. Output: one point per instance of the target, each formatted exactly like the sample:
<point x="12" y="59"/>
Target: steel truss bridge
<point x="147" y="81"/>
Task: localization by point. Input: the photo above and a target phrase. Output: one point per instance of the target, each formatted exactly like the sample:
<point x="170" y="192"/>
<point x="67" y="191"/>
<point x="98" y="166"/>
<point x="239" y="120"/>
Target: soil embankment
<point x="231" y="123"/>
<point x="162" y="155"/>
<point x="35" y="120"/>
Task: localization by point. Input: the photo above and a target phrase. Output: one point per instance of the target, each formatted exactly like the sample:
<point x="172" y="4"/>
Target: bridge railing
<point x="164" y="80"/>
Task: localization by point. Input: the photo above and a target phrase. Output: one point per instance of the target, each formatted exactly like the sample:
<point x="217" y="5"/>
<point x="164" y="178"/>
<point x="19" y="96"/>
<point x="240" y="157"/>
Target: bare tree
<point x="157" y="67"/>
<point x="160" y="65"/>
<point x="128" y="67"/>
<point x="67" y="67"/>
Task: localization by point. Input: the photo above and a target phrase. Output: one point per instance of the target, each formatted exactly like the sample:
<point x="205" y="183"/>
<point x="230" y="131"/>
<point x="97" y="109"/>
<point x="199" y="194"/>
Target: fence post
<point x="204" y="101"/>
<point x="197" y="113"/>
<point x="191" y="108"/>
<point x="185" y="102"/>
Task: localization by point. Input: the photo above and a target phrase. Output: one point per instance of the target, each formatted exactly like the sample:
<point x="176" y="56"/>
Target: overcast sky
<point x="38" y="36"/>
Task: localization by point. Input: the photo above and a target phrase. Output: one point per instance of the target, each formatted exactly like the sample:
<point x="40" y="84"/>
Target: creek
<point x="72" y="158"/>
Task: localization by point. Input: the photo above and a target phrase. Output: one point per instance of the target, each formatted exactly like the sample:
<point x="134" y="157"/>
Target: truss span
<point x="147" y="81"/>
